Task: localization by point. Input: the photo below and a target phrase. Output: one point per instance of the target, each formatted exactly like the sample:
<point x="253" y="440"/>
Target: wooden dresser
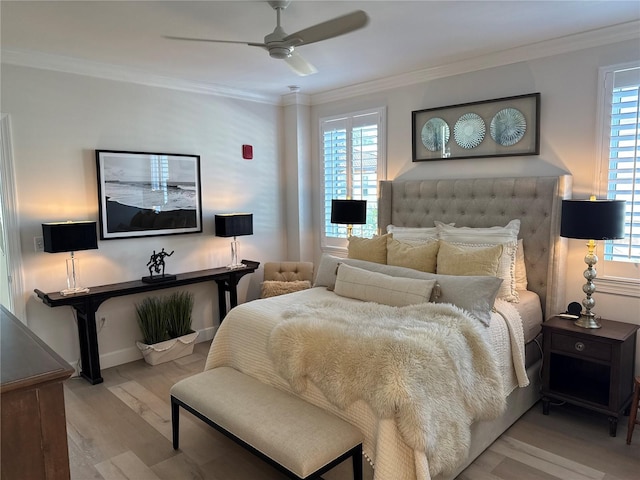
<point x="34" y="432"/>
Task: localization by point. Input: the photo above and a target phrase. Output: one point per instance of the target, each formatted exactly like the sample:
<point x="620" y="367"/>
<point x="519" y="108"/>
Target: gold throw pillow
<point x="369" y="249"/>
<point x="456" y="260"/>
<point x="417" y="256"/>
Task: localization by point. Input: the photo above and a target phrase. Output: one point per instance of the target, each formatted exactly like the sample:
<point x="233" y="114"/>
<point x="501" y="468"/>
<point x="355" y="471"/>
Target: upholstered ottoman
<point x="296" y="437"/>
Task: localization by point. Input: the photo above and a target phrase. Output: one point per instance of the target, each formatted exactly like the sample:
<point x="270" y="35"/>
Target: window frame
<point x="622" y="278"/>
<point x="338" y="245"/>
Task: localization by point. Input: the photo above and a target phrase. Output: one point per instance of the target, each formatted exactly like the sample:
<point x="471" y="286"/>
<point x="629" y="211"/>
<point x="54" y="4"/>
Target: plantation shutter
<point x="623" y="182"/>
<point x="353" y="165"/>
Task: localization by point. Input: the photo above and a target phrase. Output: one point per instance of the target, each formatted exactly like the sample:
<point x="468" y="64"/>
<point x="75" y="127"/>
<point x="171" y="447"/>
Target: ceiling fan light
<point x="280" y="52"/>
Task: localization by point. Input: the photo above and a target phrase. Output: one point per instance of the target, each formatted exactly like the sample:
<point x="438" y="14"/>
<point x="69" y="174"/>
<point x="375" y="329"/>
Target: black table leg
<point x="175" y="423"/>
<point x="613" y="426"/>
<point x="545" y="405"/>
<point x="89" y="354"/>
<point x="233" y="292"/>
<point x="222" y="299"/>
<point x="224" y="286"/>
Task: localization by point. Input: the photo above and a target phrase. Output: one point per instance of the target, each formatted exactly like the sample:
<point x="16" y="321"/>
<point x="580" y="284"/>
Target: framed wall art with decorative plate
<point x="503" y="127"/>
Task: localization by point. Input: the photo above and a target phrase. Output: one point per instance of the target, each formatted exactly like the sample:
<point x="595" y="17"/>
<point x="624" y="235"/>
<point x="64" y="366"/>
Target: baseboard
<point x="131" y="354"/>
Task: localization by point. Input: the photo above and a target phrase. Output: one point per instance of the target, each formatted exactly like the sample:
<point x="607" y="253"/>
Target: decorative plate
<point x="435" y="134"/>
<point x="508" y="126"/>
<point x="469" y="130"/>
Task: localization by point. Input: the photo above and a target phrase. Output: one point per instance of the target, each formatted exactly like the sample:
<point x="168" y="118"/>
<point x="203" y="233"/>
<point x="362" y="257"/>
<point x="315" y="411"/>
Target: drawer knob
<point x="579" y="346"/>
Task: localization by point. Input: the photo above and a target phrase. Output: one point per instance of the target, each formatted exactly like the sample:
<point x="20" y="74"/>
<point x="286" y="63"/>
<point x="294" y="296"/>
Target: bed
<point x="245" y="340"/>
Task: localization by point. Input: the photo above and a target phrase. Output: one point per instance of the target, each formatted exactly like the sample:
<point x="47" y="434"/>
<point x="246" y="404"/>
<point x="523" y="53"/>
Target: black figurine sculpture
<point x="156" y="264"/>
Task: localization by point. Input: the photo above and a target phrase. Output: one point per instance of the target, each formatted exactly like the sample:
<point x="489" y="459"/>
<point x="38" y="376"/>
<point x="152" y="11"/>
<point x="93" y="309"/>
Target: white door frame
<point x="9" y="226"/>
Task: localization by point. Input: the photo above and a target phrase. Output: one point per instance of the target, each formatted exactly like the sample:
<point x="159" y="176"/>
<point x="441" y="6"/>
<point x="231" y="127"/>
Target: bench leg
<point x="357" y="463"/>
<point x="175" y="422"/>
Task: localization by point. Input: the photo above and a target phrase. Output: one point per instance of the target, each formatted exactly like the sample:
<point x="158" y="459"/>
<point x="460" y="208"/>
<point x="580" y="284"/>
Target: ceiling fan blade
<point x="251" y="44"/>
<point x="329" y="29"/>
<point x="298" y="64"/>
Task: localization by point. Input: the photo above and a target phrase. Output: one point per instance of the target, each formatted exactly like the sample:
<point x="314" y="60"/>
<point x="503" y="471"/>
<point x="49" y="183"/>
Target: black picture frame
<point x="503" y="127"/>
<point x="144" y="194"/>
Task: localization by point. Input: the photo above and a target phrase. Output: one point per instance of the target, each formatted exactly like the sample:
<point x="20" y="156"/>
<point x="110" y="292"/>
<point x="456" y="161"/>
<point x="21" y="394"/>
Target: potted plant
<point x="165" y="324"/>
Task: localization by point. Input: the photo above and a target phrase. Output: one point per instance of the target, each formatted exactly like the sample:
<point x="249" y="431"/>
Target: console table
<point x="86" y="305"/>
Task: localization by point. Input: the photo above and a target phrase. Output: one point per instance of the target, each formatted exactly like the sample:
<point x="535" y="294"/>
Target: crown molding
<point x="295" y="98"/>
<point x="59" y="63"/>
<point x="570" y="43"/>
<point x="548" y="48"/>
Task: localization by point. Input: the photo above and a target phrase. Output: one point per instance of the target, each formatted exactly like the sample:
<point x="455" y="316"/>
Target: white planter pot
<point x="169" y="349"/>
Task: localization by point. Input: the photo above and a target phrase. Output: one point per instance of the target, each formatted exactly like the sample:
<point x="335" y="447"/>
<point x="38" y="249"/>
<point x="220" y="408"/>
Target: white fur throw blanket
<point x="428" y="366"/>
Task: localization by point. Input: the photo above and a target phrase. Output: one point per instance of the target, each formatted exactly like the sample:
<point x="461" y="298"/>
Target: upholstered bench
<point x="298" y="438"/>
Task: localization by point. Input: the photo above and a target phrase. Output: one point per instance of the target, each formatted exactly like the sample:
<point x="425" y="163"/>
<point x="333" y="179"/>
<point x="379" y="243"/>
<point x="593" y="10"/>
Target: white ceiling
<point x="401" y="37"/>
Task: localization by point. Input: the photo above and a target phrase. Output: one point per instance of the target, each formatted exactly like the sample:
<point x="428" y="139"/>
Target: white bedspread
<point x="242" y="343"/>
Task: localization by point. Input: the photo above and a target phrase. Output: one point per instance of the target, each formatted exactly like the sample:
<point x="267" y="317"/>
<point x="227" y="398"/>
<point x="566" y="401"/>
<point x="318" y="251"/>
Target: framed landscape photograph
<point x="503" y="127"/>
<point x="144" y="194"/>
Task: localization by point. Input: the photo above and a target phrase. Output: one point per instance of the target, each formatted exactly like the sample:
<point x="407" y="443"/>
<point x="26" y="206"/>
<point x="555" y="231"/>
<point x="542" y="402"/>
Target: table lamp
<point x="349" y="212"/>
<point x="592" y="220"/>
<point x="70" y="237"/>
<point x="234" y="225"/>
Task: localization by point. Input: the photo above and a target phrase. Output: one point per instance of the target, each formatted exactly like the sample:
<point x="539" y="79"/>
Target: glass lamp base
<point x="235" y="266"/>
<point x="72" y="291"/>
<point x="73" y="273"/>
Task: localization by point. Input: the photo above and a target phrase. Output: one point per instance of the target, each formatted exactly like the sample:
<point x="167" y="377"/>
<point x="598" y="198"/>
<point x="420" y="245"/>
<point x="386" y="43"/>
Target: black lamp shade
<point x="350" y="212"/>
<point x="234" y="224"/>
<point x="593" y="219"/>
<point x="69" y="236"/>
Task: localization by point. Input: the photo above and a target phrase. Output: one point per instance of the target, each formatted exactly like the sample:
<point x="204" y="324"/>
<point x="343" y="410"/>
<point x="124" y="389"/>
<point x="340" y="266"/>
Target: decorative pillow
<point x="521" y="268"/>
<point x="484" y="237"/>
<point x="462" y="260"/>
<point x="272" y="288"/>
<point x="493" y="235"/>
<point x="369" y="249"/>
<point x="473" y="294"/>
<point x="413" y="234"/>
<point x="419" y="257"/>
<point x="376" y="287"/>
<point x="476" y="295"/>
<point x="328" y="269"/>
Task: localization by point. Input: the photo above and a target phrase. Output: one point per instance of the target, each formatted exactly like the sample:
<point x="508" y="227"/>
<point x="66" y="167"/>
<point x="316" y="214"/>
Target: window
<point x="619" y="173"/>
<point x="352" y="157"/>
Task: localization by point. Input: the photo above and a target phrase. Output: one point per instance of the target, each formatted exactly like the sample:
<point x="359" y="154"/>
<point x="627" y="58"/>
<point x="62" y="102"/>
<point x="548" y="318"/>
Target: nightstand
<point x="592" y="368"/>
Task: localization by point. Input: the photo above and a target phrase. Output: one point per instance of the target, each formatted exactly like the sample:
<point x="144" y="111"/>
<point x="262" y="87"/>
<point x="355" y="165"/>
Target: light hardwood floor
<point x="121" y="429"/>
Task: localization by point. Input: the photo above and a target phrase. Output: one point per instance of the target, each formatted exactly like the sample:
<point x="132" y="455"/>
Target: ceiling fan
<point x="281" y="45"/>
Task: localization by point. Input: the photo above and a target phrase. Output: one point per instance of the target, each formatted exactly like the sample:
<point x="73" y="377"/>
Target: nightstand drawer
<point x="581" y="347"/>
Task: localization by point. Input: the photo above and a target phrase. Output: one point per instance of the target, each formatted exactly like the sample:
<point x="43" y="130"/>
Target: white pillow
<point x="413" y="234"/>
<point x="506" y="236"/>
<point x="521" y="268"/>
<point x="376" y="287"/>
<point x="490" y="235"/>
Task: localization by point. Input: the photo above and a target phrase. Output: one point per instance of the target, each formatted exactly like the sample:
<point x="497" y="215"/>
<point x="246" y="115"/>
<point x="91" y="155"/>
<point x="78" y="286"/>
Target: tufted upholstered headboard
<point x="486" y="202"/>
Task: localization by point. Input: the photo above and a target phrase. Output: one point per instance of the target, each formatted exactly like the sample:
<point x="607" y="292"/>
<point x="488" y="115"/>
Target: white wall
<point x="568" y="87"/>
<point x="59" y="120"/>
